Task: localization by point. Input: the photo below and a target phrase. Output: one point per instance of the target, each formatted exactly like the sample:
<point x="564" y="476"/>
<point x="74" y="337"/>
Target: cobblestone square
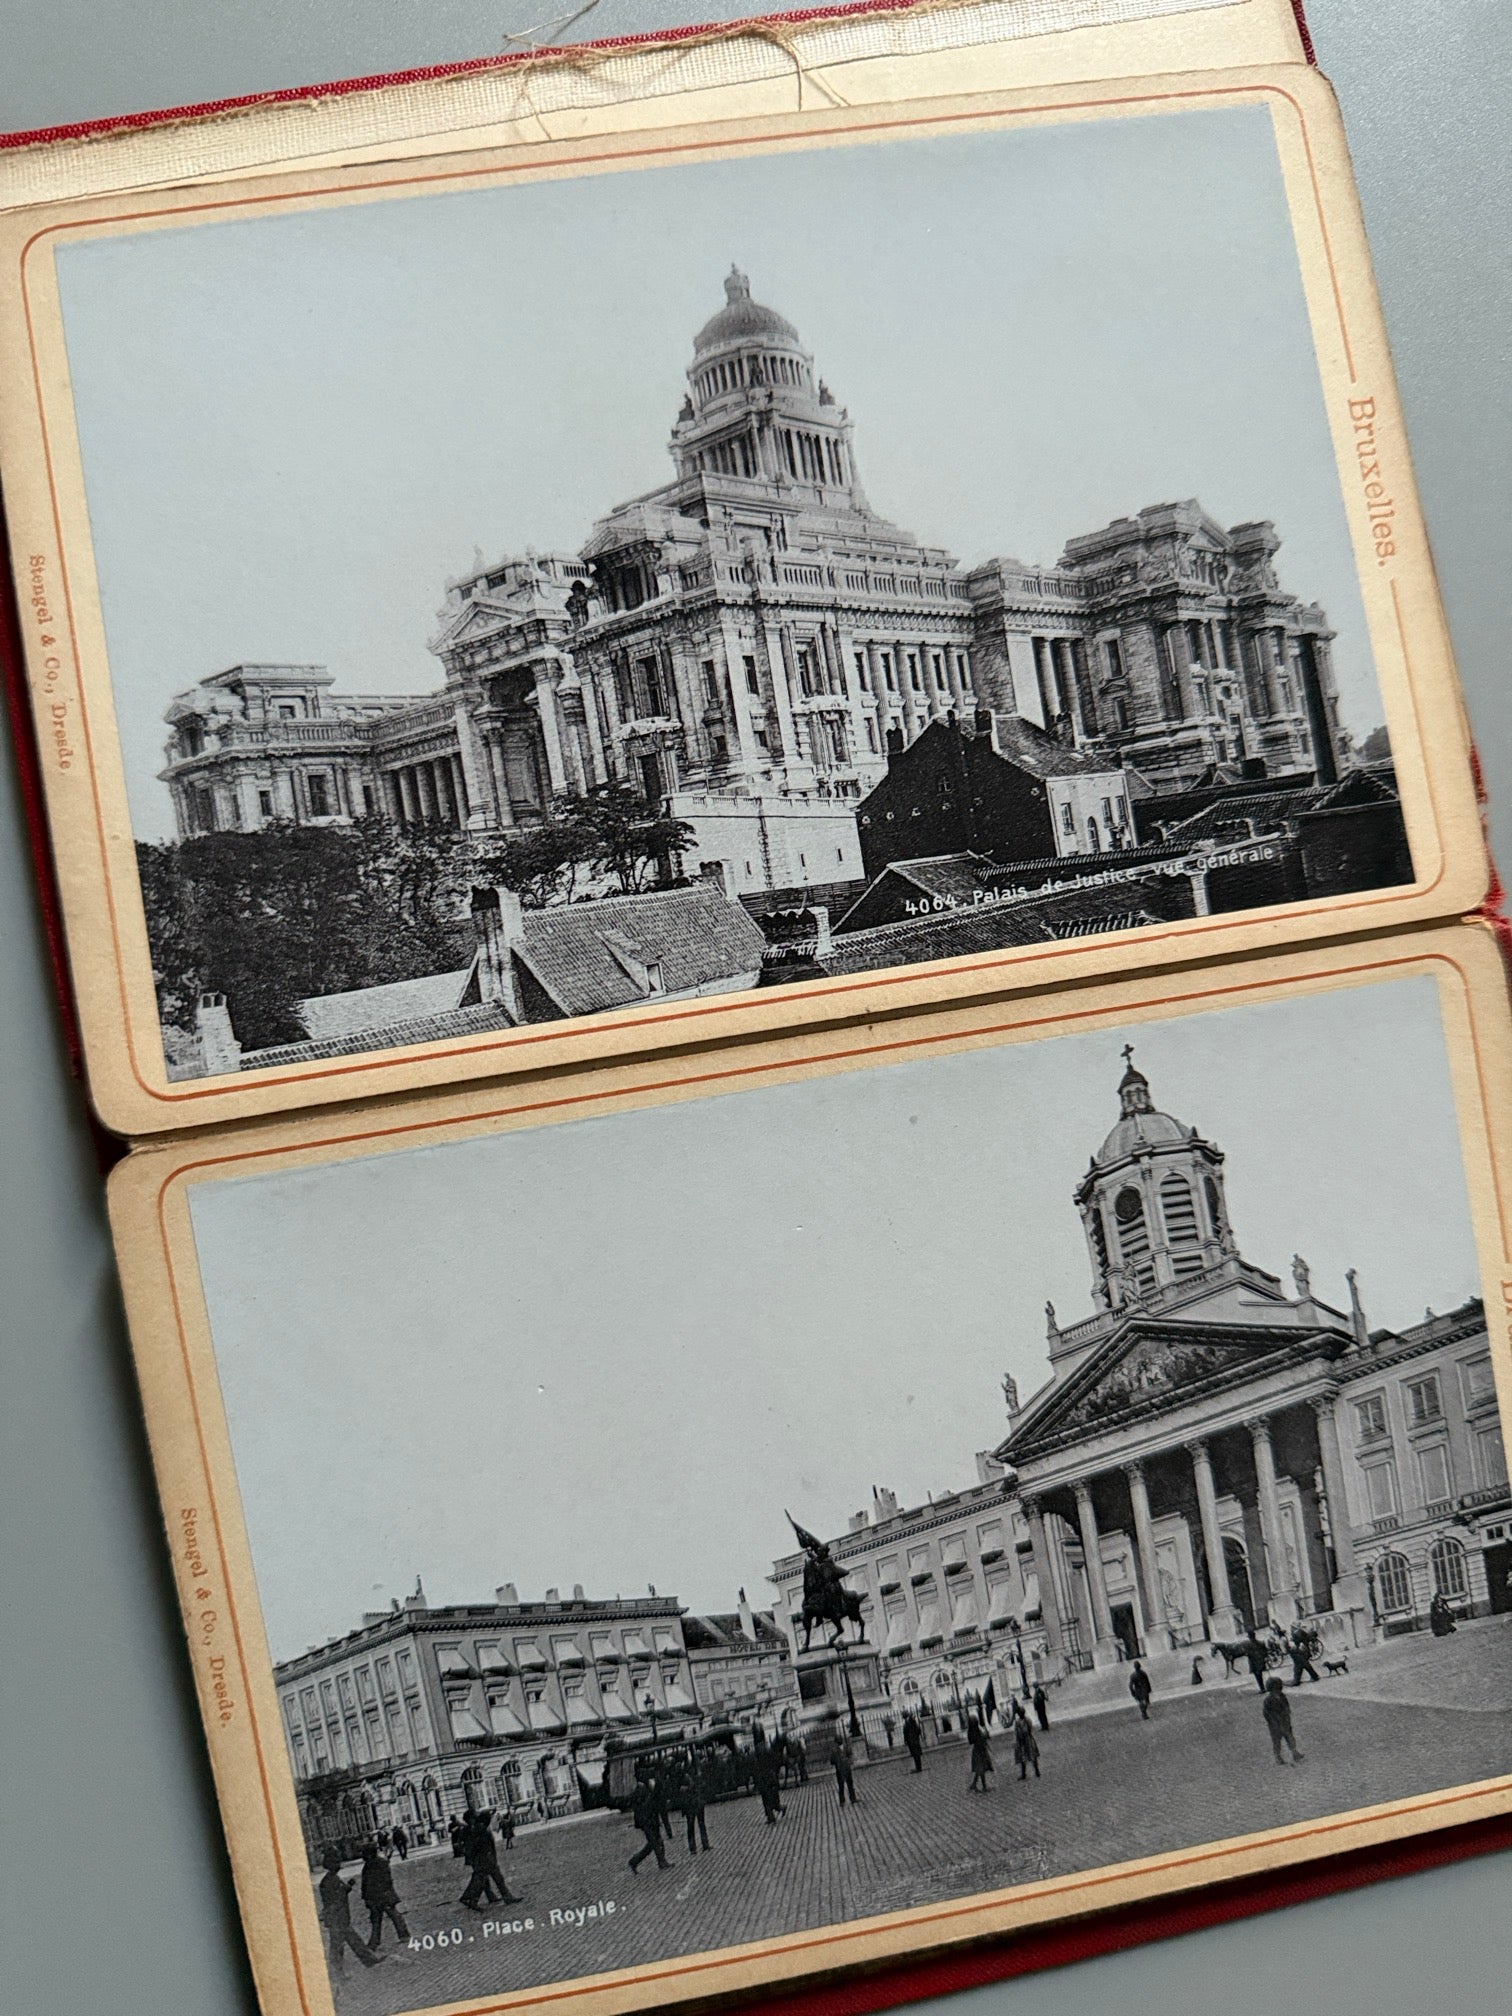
<point x="1410" y="1717"/>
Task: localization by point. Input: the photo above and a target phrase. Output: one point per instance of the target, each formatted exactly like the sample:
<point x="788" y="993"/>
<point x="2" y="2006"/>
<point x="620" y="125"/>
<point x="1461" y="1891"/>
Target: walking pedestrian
<point x="646" y="1816"/>
<point x="1278" y="1720"/>
<point x="765" y="1777"/>
<point x="506" y="1829"/>
<point x="1301" y="1645"/>
<point x="692" y="1793"/>
<point x="1255" y="1657"/>
<point x="481" y="1854"/>
<point x="380" y="1896"/>
<point x="845" y="1761"/>
<point x="1041" y="1706"/>
<point x="981" y="1754"/>
<point x="1025" y="1743"/>
<point x="454" y="1829"/>
<point x="798" y="1751"/>
<point x="400" y="1839"/>
<point x="1440" y="1616"/>
<point x="1140" y="1688"/>
<point x="336" y="1910"/>
<point x="913" y="1739"/>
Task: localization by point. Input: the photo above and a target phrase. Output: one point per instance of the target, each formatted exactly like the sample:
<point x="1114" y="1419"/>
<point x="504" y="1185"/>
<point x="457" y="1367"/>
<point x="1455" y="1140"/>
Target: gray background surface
<point x="114" y="1894"/>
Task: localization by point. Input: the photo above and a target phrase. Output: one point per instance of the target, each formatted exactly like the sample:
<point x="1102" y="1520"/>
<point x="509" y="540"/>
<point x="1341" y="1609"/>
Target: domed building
<point x="751" y="641"/>
<point x="1213" y="1452"/>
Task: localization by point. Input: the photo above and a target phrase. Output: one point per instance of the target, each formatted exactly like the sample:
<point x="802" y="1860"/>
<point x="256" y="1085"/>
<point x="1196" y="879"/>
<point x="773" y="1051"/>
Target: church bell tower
<point x="1152" y="1201"/>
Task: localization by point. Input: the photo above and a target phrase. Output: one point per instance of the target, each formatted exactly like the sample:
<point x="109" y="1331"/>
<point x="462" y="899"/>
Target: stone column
<point x="1276" y="1570"/>
<point x="1224" y="1620"/>
<point x="1055" y="1631"/>
<point x="1149" y="1566"/>
<point x="594" y="726"/>
<point x="475" y="792"/>
<point x="1350" y="1591"/>
<point x="782" y="699"/>
<point x="749" y="755"/>
<point x="501" y="782"/>
<point x="1105" y="1650"/>
<point x="545" y="693"/>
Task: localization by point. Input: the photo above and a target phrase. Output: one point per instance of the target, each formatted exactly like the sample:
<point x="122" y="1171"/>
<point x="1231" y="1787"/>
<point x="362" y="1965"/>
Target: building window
<point x="1380" y="1489"/>
<point x="1433" y="1468"/>
<point x="963" y="669"/>
<point x="860" y="664"/>
<point x="1490" y="1459"/>
<point x="752" y="678"/>
<point x="889" y="672"/>
<point x="1393" y="1580"/>
<point x="938" y="662"/>
<point x="1134" y="1236"/>
<point x="368" y="804"/>
<point x="1113" y="652"/>
<point x="1451" y="1575"/>
<point x="1424" y="1402"/>
<point x="287" y="711"/>
<point x="711" y="683"/>
<point x="1370" y="1417"/>
<point x="1183" y="1235"/>
<point x="318" y="788"/>
<point x="1068" y="818"/>
<point x="265" y="804"/>
<point x="914" y="678"/>
<point x="1477" y="1383"/>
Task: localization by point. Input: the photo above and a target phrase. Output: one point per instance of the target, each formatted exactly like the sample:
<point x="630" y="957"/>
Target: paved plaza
<point x="1410" y="1717"/>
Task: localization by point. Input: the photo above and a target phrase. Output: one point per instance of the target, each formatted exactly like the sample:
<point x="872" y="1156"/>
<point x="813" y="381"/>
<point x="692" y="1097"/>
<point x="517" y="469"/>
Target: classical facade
<point x="750" y="640"/>
<point x="948" y="1593"/>
<point x="424" y="1712"/>
<point x="1214" y="1450"/>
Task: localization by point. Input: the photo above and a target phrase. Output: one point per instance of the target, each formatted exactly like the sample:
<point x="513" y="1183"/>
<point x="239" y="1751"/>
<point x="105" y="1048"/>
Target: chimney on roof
<point x="884" y="1503"/>
<point x="714" y="872"/>
<point x="507" y="1593"/>
<point x="219" y="1050"/>
<point x="1357" y="1322"/>
<point x="857" y="1523"/>
<point x="747" y="1617"/>
<point x="553" y="1595"/>
<point x="577" y="1593"/>
<point x="499" y="928"/>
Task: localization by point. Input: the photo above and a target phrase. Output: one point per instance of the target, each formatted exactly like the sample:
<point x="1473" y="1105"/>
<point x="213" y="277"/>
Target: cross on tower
<point x="1128" y="1055"/>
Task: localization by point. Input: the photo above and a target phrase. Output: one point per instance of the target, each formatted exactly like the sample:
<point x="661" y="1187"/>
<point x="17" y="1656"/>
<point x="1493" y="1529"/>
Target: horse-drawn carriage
<point x="724" y="1762"/>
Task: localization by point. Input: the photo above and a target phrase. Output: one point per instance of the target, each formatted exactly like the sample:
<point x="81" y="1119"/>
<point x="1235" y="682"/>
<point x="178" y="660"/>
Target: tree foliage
<point x="272" y="917"/>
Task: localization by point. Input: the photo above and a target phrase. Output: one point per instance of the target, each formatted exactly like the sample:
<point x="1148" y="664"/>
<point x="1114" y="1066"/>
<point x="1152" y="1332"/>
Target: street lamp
<point x="649" y="1704"/>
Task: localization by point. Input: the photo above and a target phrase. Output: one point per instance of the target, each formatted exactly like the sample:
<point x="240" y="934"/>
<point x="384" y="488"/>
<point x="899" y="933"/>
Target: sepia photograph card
<point x="702" y="1530"/>
<point x="580" y="600"/>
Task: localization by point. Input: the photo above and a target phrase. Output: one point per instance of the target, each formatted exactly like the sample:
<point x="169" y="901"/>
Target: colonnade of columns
<point x="1283" y="1581"/>
<point x="432" y="792"/>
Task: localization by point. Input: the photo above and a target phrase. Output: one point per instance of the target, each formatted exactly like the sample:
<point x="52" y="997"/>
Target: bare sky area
<point x="613" y="1350"/>
<point x="296" y="427"/>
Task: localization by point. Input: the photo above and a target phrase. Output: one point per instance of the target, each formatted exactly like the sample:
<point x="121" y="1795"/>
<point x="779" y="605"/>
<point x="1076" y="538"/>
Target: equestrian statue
<point x="826" y="1600"/>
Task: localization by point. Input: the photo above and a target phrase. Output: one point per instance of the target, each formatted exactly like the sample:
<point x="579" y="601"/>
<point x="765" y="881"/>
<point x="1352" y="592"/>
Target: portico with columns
<point x="1181" y="1473"/>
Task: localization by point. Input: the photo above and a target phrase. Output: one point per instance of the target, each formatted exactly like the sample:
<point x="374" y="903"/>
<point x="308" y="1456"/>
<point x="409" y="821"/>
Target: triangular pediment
<point x="1149" y="1366"/>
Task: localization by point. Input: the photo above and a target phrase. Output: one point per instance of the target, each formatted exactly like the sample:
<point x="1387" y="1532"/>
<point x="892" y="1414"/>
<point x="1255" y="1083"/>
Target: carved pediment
<point x="1153" y="1369"/>
<point x="1150" y="1367"/>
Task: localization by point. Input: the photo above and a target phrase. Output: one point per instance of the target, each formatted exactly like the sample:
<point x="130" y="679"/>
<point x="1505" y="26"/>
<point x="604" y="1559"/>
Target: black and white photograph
<point x="712" y="1521"/>
<point x="542" y="600"/>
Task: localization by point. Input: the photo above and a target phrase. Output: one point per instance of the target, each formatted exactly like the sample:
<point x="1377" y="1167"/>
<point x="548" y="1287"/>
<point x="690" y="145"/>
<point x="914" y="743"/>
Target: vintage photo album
<point x="762" y="837"/>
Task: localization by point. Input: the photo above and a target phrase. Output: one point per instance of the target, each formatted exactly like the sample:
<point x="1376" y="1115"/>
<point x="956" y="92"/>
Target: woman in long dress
<point x="981" y="1754"/>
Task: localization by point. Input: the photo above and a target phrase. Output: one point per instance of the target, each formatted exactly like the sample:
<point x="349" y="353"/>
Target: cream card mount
<point x="1075" y="1236"/>
<point x="303" y="861"/>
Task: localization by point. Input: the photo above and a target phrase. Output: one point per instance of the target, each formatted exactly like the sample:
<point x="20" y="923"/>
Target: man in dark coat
<point x="455" y="1830"/>
<point x="481" y="1853"/>
<point x="1278" y="1720"/>
<point x="1140" y="1688"/>
<point x="380" y="1896"/>
<point x="400" y="1839"/>
<point x="336" y="1910"/>
<point x="1254" y="1653"/>
<point x="845" y="1761"/>
<point x="1041" y="1706"/>
<point x="646" y="1816"/>
<point x="765" y="1776"/>
<point x="1301" y="1646"/>
<point x="1025" y="1743"/>
<point x="691" y="1797"/>
<point x="913" y="1739"/>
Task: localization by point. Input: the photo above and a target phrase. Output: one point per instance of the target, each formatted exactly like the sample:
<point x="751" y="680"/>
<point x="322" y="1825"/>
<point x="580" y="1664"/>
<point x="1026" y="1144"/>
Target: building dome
<point x="1139" y="1124"/>
<point x="743" y="320"/>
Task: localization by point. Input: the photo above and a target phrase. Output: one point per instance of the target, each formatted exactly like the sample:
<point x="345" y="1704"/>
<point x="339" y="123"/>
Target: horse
<point x="1236" y="1651"/>
<point x="834" y="1607"/>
